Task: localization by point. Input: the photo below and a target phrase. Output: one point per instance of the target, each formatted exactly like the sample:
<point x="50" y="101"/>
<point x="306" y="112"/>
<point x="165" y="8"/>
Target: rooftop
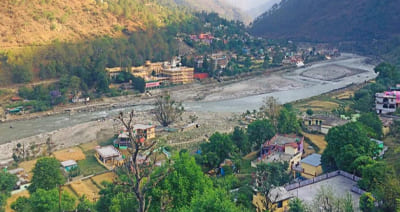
<point x="283" y="139"/>
<point x="142" y="127"/>
<point x="313" y="160"/>
<point x="108" y="151"/>
<point x="68" y="163"/>
<point x="279" y="194"/>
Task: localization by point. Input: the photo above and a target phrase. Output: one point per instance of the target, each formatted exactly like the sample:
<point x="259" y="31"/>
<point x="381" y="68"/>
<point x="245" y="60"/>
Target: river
<point x="312" y="87"/>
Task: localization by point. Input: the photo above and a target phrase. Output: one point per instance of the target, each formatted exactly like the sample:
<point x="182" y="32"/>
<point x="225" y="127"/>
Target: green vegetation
<point x="46" y="175"/>
<point x="7" y="183"/>
<point x="90" y="165"/>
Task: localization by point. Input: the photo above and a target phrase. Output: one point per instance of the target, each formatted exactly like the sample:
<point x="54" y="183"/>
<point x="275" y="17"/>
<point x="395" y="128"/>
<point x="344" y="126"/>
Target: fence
<point x="326" y="176"/>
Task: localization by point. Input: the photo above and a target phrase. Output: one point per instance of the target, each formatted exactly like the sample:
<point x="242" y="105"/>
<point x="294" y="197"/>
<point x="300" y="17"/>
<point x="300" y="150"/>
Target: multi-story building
<point x="386" y="102"/>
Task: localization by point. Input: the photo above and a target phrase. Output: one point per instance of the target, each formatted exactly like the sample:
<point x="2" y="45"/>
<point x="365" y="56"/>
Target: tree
<point x="185" y="181"/>
<point x="310" y="112"/>
<point x="21" y="74"/>
<point x="287" y="122"/>
<point x="22" y="204"/>
<point x="213" y="200"/>
<point x="345" y="144"/>
<point x="7" y="183"/>
<point x="240" y="139"/>
<point x="141" y="176"/>
<point x="46" y="175"/>
<point x="296" y="205"/>
<point x="167" y="109"/>
<point x="47" y="200"/>
<point x="325" y="200"/>
<point x="372" y="124"/>
<point x="270" y="109"/>
<point x="139" y="84"/>
<point x="219" y="144"/>
<point x="259" y="131"/>
<point x="85" y="205"/>
<point x="367" y="202"/>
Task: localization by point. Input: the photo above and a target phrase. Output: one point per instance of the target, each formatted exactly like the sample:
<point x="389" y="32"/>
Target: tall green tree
<point x="7" y="183"/>
<point x="367" y="202"/>
<point x="287" y="122"/>
<point x="184" y="182"/>
<point x="372" y="124"/>
<point x="240" y="139"/>
<point x="219" y="145"/>
<point x="345" y="144"/>
<point x="259" y="131"/>
<point x="213" y="200"/>
<point x="46" y="175"/>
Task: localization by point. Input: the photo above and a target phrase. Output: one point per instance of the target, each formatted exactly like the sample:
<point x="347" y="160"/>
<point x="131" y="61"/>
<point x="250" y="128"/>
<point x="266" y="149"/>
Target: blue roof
<point x="314" y="159"/>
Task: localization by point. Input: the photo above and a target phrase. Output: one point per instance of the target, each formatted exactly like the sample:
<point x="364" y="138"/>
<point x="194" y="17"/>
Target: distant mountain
<point x="222" y="7"/>
<point x="253" y="8"/>
<point x="330" y="20"/>
<point x="258" y="10"/>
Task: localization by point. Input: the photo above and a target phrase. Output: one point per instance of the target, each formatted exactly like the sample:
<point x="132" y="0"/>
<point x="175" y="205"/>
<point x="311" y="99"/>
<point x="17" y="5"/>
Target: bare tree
<point x="167" y="109"/>
<point x="140" y="168"/>
<point x="270" y="109"/>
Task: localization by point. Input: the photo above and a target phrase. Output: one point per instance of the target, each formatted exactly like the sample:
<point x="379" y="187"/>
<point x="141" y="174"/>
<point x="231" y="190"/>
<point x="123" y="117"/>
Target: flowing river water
<point x="313" y="86"/>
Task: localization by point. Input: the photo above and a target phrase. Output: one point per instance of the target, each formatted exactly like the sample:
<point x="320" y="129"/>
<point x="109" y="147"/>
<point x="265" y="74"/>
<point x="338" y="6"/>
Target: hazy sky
<point x="249" y="4"/>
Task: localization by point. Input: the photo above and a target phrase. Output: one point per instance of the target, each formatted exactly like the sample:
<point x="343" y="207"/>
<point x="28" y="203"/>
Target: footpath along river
<point x="317" y="79"/>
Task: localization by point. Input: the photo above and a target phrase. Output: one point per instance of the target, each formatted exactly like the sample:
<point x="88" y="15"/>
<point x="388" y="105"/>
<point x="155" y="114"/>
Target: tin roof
<point x="68" y="163"/>
<point x="313" y="160"/>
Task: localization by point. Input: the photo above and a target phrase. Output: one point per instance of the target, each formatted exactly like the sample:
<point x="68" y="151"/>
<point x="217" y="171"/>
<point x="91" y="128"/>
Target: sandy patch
<point x="74" y="153"/>
<point x="318" y="140"/>
<point x="109" y="177"/>
<point x="86" y="188"/>
<point x="89" y="146"/>
<point x="13" y="198"/>
<point x="331" y="72"/>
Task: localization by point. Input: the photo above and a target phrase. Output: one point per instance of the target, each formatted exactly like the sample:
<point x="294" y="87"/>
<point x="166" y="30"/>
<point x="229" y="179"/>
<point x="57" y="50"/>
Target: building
<point x="387" y="102"/>
<point x="278" y="199"/>
<point x="69" y="165"/>
<point x="146" y="131"/>
<point x="381" y="148"/>
<point x="322" y="123"/>
<point x="108" y="154"/>
<point x="287" y="148"/>
<point x="310" y="166"/>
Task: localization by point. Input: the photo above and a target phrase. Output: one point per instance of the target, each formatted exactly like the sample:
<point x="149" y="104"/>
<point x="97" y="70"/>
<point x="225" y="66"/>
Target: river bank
<point x="206" y="101"/>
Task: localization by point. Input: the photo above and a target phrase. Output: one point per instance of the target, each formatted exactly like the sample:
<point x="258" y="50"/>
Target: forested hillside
<point x="327" y="21"/>
<point x="38" y="22"/>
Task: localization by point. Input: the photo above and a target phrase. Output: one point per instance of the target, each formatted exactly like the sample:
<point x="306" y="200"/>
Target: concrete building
<point x="386" y="102"/>
<point x="108" y="154"/>
<point x="147" y="131"/>
<point x="69" y="164"/>
<point x="322" y="123"/>
<point x="179" y="75"/>
<point x="277" y="200"/>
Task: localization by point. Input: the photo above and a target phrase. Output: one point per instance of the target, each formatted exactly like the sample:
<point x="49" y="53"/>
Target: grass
<point x="392" y="156"/>
<point x="90" y="165"/>
<point x="316" y="141"/>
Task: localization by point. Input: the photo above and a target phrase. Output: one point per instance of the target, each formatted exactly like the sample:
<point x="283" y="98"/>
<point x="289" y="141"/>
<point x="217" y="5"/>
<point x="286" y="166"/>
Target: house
<point x="122" y="141"/>
<point x="108" y="154"/>
<point x="68" y="165"/>
<point x="311" y="166"/>
<point x="146" y="131"/>
<point x="287" y="148"/>
<point x="16" y="99"/>
<point x="387" y="102"/>
<point x="278" y="199"/>
<point x="322" y="123"/>
<point x="386" y="123"/>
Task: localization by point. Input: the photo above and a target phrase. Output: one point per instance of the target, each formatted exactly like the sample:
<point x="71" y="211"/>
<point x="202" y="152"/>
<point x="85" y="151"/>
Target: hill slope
<point x="329" y="21"/>
<point x="222" y="7"/>
<point x="37" y="22"/>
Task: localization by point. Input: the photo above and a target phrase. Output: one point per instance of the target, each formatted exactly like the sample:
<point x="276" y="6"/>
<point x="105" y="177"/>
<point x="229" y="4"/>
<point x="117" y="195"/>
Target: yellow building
<point x="277" y="201"/>
<point x="179" y="75"/>
<point x="147" y="131"/>
<point x="311" y="166"/>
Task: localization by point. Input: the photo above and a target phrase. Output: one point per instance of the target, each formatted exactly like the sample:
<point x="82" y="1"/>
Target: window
<point x="280" y="204"/>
